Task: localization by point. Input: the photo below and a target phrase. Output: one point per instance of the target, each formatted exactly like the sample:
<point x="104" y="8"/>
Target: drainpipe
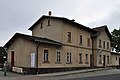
<point x="37" y="47"/>
<point x="92" y="52"/>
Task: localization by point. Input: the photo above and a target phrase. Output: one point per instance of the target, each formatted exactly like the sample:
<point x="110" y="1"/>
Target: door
<point x="104" y="60"/>
<point x="12" y="58"/>
<point x="91" y="64"/>
<point x="119" y="61"/>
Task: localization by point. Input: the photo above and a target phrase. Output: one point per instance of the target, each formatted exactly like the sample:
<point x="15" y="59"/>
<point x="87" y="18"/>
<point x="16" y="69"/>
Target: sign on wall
<point x="32" y="59"/>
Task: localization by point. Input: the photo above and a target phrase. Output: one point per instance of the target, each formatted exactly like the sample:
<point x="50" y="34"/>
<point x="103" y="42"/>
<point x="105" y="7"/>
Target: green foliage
<point x="116" y="39"/>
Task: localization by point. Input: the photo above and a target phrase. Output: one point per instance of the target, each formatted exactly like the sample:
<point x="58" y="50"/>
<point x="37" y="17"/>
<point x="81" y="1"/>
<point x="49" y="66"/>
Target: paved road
<point x="96" y="75"/>
<point x="105" y="77"/>
<point x="85" y="75"/>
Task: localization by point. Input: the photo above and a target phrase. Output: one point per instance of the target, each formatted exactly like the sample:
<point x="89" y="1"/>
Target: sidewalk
<point x="73" y="72"/>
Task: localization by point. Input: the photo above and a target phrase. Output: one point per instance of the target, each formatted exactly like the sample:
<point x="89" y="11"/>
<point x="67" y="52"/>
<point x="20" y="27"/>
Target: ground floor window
<point x="107" y="59"/>
<point x="68" y="57"/>
<point x="80" y="57"/>
<point x="58" y="56"/>
<point x="46" y="55"/>
<point x="100" y="59"/>
<point x="86" y="58"/>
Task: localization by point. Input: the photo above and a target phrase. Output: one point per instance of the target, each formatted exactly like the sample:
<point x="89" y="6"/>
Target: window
<point x="68" y="57"/>
<point x="80" y="58"/>
<point x="46" y="55"/>
<point x="86" y="58"/>
<point x="69" y="36"/>
<point x="88" y="42"/>
<point x="116" y="58"/>
<point x="100" y="43"/>
<point x="41" y="25"/>
<point x="58" y="56"/>
<point x="48" y="22"/>
<point x="103" y="44"/>
<point x="100" y="59"/>
<point x="108" y="59"/>
<point x="80" y="40"/>
<point x="107" y="45"/>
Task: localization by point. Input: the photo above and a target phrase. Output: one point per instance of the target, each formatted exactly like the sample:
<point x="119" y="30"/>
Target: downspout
<point x="37" y="47"/>
<point x="92" y="52"/>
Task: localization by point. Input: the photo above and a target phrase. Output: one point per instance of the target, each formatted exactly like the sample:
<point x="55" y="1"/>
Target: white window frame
<point x="58" y="56"/>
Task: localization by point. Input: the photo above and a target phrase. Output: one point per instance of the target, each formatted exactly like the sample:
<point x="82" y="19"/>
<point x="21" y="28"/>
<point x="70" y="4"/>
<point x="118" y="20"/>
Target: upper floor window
<point x="49" y="22"/>
<point x="69" y="37"/>
<point x="80" y="40"/>
<point x="46" y="55"/>
<point x="103" y="44"/>
<point x="41" y="25"/>
<point x="88" y="42"/>
<point x="80" y="58"/>
<point x="107" y="45"/>
<point x="68" y="57"/>
<point x="58" y="56"/>
<point x="100" y="43"/>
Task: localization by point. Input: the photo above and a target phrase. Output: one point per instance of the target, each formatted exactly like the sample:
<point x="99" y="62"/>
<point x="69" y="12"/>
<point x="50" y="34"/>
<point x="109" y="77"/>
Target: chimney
<point x="49" y="13"/>
<point x="73" y="20"/>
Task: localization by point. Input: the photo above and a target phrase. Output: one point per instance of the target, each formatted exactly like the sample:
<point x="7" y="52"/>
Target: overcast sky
<point x="19" y="15"/>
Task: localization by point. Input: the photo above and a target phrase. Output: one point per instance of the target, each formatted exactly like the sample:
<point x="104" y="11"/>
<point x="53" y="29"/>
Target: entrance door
<point x="12" y="58"/>
<point x="91" y="62"/>
<point x="104" y="60"/>
<point x="119" y="61"/>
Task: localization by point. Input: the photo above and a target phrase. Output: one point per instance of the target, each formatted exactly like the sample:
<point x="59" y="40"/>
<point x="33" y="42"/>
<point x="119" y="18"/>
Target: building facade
<point x="58" y="43"/>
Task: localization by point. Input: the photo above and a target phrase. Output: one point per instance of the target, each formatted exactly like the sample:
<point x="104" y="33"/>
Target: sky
<point x="19" y="15"/>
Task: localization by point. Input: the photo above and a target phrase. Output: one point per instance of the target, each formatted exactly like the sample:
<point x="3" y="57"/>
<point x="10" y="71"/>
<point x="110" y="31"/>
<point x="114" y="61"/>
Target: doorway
<point x="119" y="61"/>
<point x="12" y="58"/>
<point x="104" y="60"/>
<point x="91" y="61"/>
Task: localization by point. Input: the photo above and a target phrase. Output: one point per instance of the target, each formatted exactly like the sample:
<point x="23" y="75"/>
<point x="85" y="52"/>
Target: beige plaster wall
<point x="22" y="49"/>
<point x="53" y="32"/>
<point x="114" y="62"/>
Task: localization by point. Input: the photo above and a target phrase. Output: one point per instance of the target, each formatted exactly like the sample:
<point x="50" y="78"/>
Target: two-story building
<point x="57" y="44"/>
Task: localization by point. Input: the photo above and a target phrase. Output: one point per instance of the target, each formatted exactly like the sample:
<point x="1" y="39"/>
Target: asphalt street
<point x="111" y="74"/>
<point x="104" y="77"/>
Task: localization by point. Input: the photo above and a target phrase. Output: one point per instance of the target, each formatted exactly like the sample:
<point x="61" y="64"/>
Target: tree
<point x="116" y="39"/>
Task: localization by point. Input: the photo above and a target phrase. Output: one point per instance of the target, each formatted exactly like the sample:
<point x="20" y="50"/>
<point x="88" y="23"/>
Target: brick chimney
<point x="49" y="13"/>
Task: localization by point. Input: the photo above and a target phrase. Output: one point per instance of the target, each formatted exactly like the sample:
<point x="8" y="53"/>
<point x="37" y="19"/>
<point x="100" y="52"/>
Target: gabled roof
<point x="60" y="18"/>
<point x="32" y="38"/>
<point x="99" y="30"/>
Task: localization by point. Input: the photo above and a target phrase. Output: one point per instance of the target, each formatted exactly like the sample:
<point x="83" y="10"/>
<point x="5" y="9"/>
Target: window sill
<point x="68" y="62"/>
<point x="81" y="44"/>
<point x="80" y="62"/>
<point x="69" y="42"/>
<point x="86" y="62"/>
<point x="57" y="62"/>
<point x="46" y="62"/>
<point x="48" y="25"/>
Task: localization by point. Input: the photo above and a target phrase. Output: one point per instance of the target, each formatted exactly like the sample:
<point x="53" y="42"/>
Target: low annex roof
<point x="117" y="53"/>
<point x="32" y="38"/>
<point x="60" y="18"/>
